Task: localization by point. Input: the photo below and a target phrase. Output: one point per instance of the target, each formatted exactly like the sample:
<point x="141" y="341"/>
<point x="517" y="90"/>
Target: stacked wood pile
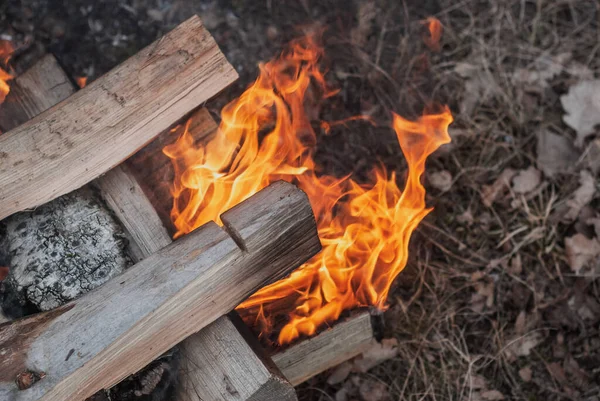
<point x="73" y="148"/>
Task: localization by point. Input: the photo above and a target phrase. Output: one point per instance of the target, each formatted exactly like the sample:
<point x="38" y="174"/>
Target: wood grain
<point x="312" y="356"/>
<point x="126" y="198"/>
<point x="100" y="126"/>
<point x="120" y="327"/>
<point x="218" y="366"/>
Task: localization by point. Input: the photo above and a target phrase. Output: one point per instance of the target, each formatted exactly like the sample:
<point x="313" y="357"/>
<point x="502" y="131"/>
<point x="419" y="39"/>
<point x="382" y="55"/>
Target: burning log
<point x="100" y="338"/>
<point x="222" y="361"/>
<point x="312" y="356"/>
<point x="124" y="195"/>
<point x="74" y="142"/>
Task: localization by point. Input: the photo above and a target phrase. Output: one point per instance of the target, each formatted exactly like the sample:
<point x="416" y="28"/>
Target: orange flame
<point x="435" y="33"/>
<point x="81" y="82"/>
<point x="6" y="50"/>
<point x="266" y="135"/>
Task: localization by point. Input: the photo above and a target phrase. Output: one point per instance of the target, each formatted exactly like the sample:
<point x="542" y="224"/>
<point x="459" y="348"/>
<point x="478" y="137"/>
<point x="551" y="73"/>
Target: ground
<point x="500" y="299"/>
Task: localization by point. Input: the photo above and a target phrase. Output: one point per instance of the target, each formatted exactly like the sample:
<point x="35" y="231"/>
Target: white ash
<point x="62" y="250"/>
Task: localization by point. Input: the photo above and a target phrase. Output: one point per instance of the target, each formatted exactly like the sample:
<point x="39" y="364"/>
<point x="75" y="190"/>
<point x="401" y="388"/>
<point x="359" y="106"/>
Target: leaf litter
<point x="582" y="107"/>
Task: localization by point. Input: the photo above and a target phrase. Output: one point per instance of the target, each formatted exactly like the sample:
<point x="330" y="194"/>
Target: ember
<point x="6" y="50"/>
<point x="365" y="228"/>
<point x="81" y="82"/>
<point x="434" y="26"/>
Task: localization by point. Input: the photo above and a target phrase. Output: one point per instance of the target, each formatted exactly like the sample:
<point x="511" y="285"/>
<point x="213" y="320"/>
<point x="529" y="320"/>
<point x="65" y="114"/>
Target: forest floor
<point x="501" y="296"/>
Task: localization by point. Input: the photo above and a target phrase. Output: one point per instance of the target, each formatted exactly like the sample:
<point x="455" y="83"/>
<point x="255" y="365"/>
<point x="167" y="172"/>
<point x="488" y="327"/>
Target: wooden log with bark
<point x="100" y="126"/>
<point x="100" y="338"/>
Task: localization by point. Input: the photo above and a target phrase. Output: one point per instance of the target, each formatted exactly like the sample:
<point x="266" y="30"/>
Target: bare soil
<point x="490" y="306"/>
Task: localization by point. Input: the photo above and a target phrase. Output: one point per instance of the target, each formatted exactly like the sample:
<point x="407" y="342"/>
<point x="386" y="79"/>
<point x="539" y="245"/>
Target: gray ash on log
<point x="60" y="251"/>
<point x="65" y="247"/>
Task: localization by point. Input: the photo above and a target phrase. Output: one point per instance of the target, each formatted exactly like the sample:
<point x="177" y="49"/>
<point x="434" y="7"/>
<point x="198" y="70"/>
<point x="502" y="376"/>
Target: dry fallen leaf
<point x="557" y="372"/>
<point x="373" y="390"/>
<point x="490" y="193"/>
<point x="516" y="265"/>
<point x="466" y="217"/>
<point x="484" y="297"/>
<point x="478" y="88"/>
<point x="520" y="322"/>
<point x="479" y="84"/>
<point x="522" y="345"/>
<point x="376" y="354"/>
<point x="441" y="180"/>
<point x="492" y="395"/>
<point x="581" y="197"/>
<point x="582" y="105"/>
<point x="526" y="374"/>
<point x="592" y="156"/>
<point x="581" y="250"/>
<point x="580" y="71"/>
<point x="555" y="153"/>
<point x="585" y="306"/>
<point x="476" y="382"/>
<point x="543" y="69"/>
<point x="465" y="70"/>
<point x="340" y="373"/>
<point x="527" y="180"/>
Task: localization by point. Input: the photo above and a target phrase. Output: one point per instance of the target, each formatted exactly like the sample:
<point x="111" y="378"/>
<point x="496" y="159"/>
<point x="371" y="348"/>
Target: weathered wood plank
<point x="100" y="338"/>
<point x="126" y="198"/>
<point x="100" y="126"/>
<point x="312" y="356"/>
<point x="218" y="366"/>
<point x="65" y="247"/>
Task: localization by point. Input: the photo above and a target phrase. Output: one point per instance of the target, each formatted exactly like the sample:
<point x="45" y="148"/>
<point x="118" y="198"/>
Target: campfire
<point x="260" y="258"/>
<point x="266" y="135"/>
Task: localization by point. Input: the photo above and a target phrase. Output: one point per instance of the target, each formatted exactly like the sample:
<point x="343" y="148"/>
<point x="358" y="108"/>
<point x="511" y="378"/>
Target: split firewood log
<point x="68" y="246"/>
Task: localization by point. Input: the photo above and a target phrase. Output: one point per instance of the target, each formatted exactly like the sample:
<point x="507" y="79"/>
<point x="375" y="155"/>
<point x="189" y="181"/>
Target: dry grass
<point x="451" y="346"/>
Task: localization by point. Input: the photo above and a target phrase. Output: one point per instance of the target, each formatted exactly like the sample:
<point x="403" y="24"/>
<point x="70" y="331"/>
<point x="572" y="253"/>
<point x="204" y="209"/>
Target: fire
<point x="81" y="82"/>
<point x="266" y="135"/>
<point x="434" y="27"/>
<point x="6" y="51"/>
